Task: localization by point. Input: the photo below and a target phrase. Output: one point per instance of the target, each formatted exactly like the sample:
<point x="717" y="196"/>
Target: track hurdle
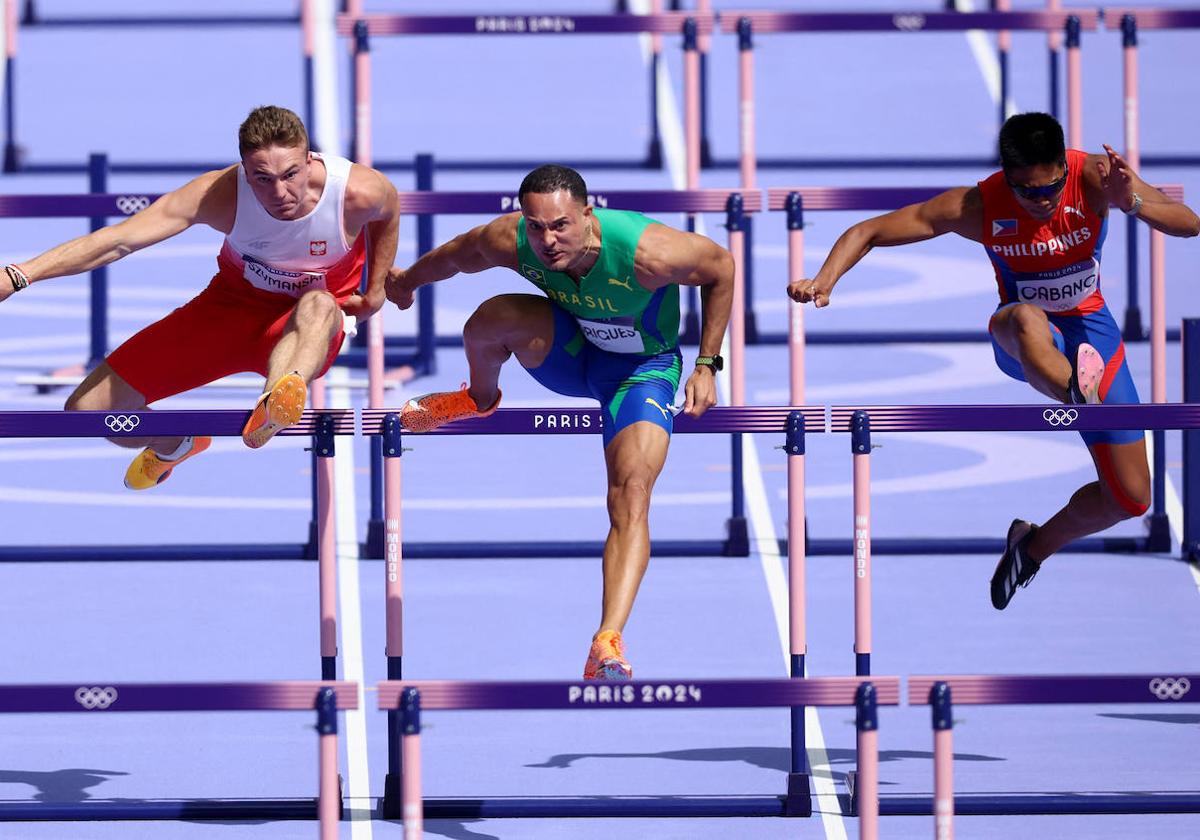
<point x="411" y="698"/>
<point x="747" y="24"/>
<point x="362" y="27"/>
<point x="322" y="426"/>
<point x="938" y="691"/>
<point x="326" y="698"/>
<point x="793" y="422"/>
<point x="860" y="421"/>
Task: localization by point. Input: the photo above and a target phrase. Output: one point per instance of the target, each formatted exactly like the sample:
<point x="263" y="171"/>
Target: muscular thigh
<point x="213" y="335"/>
<point x="634" y="389"/>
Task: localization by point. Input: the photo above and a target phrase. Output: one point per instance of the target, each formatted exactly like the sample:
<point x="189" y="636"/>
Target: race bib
<point x="1060" y="289"/>
<point x="291" y="283"/>
<point x="616" y="336"/>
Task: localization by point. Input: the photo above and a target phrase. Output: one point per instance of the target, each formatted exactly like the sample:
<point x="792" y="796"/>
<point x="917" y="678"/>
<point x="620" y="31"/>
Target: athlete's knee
<point x="629" y="497"/>
<point x="1127" y="496"/>
<point x="1027" y="319"/>
<point x="317" y="305"/>
<point x="506" y="319"/>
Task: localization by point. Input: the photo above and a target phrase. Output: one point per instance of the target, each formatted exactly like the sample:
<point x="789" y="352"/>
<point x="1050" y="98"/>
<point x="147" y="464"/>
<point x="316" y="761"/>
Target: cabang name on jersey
<point x="1040" y="247"/>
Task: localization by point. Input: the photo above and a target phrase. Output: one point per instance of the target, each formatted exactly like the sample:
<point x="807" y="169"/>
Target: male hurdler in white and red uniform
<point x="296" y="227"/>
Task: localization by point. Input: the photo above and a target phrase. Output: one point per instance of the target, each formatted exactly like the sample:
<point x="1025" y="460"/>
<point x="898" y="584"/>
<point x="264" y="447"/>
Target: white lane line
<point x="763" y="530"/>
<point x="1174" y="505"/>
<point x="350" y="608"/>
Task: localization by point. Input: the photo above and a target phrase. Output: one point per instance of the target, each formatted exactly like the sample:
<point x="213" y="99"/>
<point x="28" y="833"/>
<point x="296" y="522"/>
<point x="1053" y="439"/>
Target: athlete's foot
<point x="1016" y="568"/>
<point x="150" y="469"/>
<point x="275" y="410"/>
<point x="1083" y="388"/>
<point x="606" y="659"/>
<point x="424" y="414"/>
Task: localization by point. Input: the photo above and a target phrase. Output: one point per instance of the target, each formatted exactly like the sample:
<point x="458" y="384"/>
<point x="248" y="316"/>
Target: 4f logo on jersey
<point x="1004" y="227"/>
<point x="318" y="247"/>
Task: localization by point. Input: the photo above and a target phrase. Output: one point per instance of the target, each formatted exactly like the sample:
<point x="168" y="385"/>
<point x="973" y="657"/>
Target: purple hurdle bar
<point x="326" y="698"/>
<point x="413" y="697"/>
<point x="1051" y="20"/>
<point x="937" y="691"/>
<point x="323" y="426"/>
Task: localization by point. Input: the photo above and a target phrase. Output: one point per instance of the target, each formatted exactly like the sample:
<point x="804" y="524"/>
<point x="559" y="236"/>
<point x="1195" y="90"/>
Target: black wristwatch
<point x="714" y="362"/>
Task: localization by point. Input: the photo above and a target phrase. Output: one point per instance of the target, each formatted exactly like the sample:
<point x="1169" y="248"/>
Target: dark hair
<point x="271" y="126"/>
<point x="1031" y="139"/>
<point x="550" y="178"/>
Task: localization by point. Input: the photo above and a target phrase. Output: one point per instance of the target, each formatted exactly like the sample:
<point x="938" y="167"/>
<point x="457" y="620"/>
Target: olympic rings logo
<point x="95" y="697"/>
<point x="130" y="204"/>
<point x="908" y="23"/>
<point x="122" y="422"/>
<point x="1060" y="416"/>
<point x="1169" y="688"/>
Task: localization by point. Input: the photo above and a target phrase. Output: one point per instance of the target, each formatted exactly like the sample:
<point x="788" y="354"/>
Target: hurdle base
<point x="738" y="544"/>
<point x="390" y="805"/>
<point x="1159" y="536"/>
<point x="1133" y="329"/>
<point x="1100" y="802"/>
<point x="593" y="806"/>
<point x="162" y="809"/>
<point x="852" y="794"/>
<point x="967" y="545"/>
<point x="798" y="802"/>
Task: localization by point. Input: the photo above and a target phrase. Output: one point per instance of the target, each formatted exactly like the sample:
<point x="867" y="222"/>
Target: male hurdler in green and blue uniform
<point x="606" y="327"/>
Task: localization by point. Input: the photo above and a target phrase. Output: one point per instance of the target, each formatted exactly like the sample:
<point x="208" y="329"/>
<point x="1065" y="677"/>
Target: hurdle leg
<point x="394" y="606"/>
<point x="943" y="762"/>
<point x="323" y="449"/>
<point x="860" y="446"/>
<point x="414" y="809"/>
<point x="1191" y="442"/>
<point x="867" y="787"/>
<point x="329" y="799"/>
<point x="799" y="784"/>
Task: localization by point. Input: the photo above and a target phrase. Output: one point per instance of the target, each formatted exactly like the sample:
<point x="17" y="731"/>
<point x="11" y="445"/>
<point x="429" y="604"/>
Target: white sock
<point x="184" y="448"/>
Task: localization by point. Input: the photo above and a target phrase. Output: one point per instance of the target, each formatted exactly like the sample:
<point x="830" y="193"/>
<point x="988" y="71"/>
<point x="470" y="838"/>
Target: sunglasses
<point x="1045" y="191"/>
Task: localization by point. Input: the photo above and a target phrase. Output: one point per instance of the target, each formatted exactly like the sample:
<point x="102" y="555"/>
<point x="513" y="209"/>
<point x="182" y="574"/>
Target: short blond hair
<point x="271" y="125"/>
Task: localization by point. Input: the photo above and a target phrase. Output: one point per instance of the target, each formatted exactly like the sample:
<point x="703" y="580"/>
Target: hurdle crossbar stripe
<point x="1153" y="18"/>
<point x="535" y="421"/>
<point x="217" y="423"/>
<point x="1038" y="21"/>
<point x="664" y="23"/>
<point x="658" y="694"/>
<point x="1040" y="689"/>
<point x="650" y="201"/>
<point x="1019" y="418"/>
<point x="172" y="697"/>
<point x="878" y="198"/>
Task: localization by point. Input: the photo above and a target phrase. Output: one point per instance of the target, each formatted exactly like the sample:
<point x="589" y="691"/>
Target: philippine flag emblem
<point x="1004" y="227"/>
<point x="317" y="248"/>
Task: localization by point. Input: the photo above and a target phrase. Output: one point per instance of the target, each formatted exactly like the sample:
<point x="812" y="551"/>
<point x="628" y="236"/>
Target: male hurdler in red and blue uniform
<point x="1043" y="220"/>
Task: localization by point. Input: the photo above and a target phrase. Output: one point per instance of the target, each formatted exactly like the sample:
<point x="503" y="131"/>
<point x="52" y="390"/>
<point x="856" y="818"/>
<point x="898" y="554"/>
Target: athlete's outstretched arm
<point x="493" y="245"/>
<point x="209" y="199"/>
<point x="665" y="255"/>
<point x="1123" y="188"/>
<point x="955" y="211"/>
<point x="372" y="200"/>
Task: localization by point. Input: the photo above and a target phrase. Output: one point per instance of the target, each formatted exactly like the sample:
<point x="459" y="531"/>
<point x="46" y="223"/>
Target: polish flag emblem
<point x="317" y="248"/>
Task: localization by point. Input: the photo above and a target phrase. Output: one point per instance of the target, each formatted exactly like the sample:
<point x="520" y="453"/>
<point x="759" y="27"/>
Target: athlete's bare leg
<point x="634" y="459"/>
<point x="503" y="326"/>
<point x="1099" y="505"/>
<point x="104" y="390"/>
<point x="1024" y="333"/>
<point x="304" y="345"/>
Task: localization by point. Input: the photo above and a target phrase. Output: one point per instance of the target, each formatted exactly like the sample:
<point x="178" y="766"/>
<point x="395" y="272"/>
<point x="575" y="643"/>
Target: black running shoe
<point x="1015" y="568"/>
